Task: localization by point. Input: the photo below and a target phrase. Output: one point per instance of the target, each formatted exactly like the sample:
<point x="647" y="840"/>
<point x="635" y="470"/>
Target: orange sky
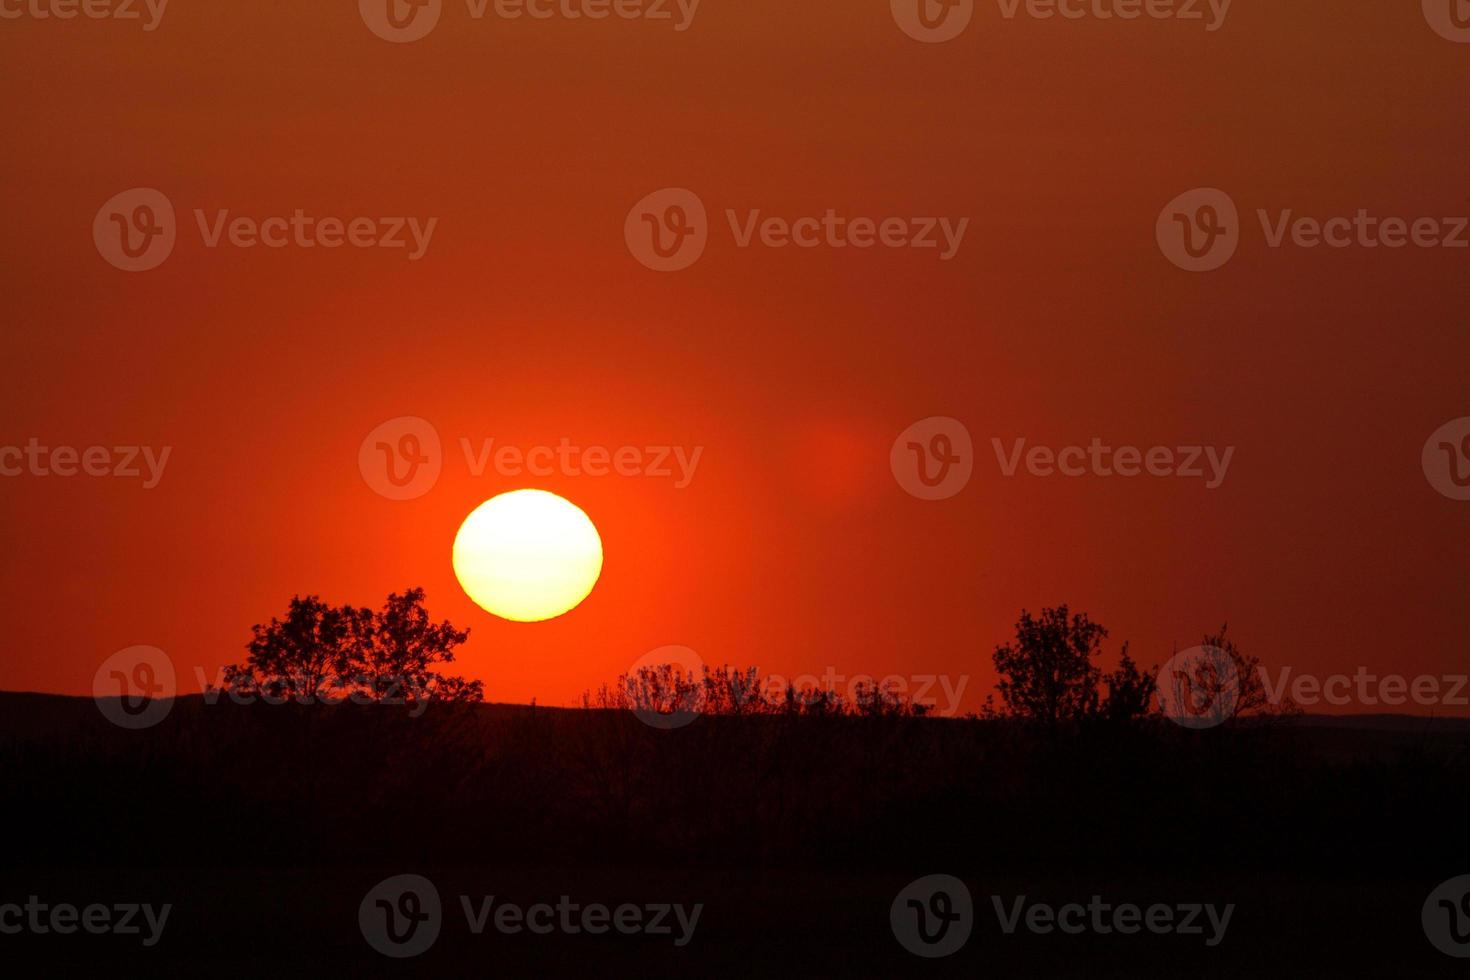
<point x="528" y="321"/>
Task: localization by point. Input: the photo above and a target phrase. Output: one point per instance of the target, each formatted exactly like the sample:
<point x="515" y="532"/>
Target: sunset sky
<point x="528" y="321"/>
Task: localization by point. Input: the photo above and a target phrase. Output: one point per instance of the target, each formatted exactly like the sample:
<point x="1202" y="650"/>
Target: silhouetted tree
<point x="1130" y="690"/>
<point x="1047" y="674"/>
<point x="302" y="655"/>
<point x="400" y="649"/>
<point x="322" y="650"/>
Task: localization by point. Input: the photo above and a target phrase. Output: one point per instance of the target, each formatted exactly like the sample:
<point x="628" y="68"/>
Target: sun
<point x="527" y="555"/>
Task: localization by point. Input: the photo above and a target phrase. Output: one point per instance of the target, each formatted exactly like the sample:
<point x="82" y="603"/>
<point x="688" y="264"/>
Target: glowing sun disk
<point x="527" y="555"/>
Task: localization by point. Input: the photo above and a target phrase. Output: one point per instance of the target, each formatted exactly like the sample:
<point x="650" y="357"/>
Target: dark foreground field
<point x="265" y="829"/>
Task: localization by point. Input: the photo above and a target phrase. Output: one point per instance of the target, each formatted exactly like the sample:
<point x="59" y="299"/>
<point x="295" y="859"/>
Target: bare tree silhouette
<point x="1226" y="683"/>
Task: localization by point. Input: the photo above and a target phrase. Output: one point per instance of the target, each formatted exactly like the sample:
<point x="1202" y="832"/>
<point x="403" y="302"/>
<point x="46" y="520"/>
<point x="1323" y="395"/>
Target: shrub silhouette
<point x="667" y="689"/>
<point x="1130" y="690"/>
<point x="1247" y="697"/>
